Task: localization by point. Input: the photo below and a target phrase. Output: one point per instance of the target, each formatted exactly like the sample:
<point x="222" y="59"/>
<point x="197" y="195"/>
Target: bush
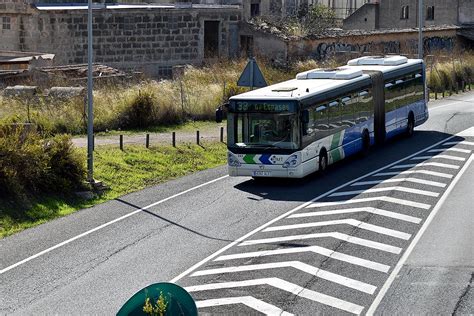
<point x="30" y="164"/>
<point x="140" y="112"/>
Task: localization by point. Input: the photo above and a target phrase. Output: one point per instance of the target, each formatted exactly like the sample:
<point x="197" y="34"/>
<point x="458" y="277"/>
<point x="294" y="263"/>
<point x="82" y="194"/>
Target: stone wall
<point x="150" y="40"/>
<point x="466" y="11"/>
<point x="365" y="18"/>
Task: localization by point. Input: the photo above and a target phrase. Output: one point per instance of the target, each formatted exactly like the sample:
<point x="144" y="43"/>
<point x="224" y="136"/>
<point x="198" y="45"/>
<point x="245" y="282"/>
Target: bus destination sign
<point x="245" y="106"/>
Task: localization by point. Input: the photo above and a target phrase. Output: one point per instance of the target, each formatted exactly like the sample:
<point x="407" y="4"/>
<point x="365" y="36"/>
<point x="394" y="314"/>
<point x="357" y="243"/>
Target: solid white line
<point x="435" y="164"/>
<point x="337" y="235"/>
<point x="439" y="156"/>
<point x="373" y="210"/>
<point x="459" y="150"/>
<point x="397" y="188"/>
<point x="252" y="302"/>
<point x="448" y="104"/>
<point x="285" y="286"/>
<point x="316" y="249"/>
<point x="258" y="229"/>
<point x="106" y="224"/>
<point x="370" y="199"/>
<point x="415" y="240"/>
<point x="467" y="133"/>
<point x="323" y="274"/>
<point x="428" y="172"/>
<point x="414" y="180"/>
<point x="346" y="221"/>
<point x="463" y="142"/>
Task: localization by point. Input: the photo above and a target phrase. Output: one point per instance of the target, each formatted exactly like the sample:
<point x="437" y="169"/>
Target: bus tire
<point x="410" y="125"/>
<point x="365" y="143"/>
<point x="323" y="161"/>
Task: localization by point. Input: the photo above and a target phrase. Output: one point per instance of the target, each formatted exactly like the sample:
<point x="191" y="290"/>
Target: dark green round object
<point x="179" y="302"/>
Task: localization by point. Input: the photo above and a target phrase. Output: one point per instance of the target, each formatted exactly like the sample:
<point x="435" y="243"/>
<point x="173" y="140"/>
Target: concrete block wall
<point x="365" y="18"/>
<point x="149" y="40"/>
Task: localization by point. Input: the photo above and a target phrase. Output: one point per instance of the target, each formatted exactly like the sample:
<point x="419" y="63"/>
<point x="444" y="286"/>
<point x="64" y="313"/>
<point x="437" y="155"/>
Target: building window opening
<point x="6" y="23"/>
<point x="430" y="13"/>
<point x="405" y="12"/>
<point x="246" y="45"/>
<point x="255" y="9"/>
<point x="211" y="39"/>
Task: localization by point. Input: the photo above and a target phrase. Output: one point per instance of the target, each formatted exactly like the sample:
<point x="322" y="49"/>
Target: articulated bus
<point x="300" y="126"/>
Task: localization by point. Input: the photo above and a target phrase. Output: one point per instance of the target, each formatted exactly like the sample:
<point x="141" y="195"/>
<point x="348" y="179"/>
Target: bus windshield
<point x="263" y="130"/>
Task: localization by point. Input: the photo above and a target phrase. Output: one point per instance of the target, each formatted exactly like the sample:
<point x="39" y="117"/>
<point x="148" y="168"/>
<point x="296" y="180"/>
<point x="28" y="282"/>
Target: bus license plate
<point x="261" y="173"/>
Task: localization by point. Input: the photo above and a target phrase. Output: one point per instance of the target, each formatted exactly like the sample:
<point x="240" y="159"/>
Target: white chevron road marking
<point x="420" y="171"/>
<point x="346" y="221"/>
<point x="337" y="235"/>
<point x="370" y="199"/>
<point x="252" y="302"/>
<point x="395" y="180"/>
<point x="285" y="286"/>
<point x="459" y="150"/>
<point x="316" y="249"/>
<point x="323" y="274"/>
<point x="434" y="164"/>
<point x="439" y="157"/>
<point x="397" y="188"/>
<point x="373" y="210"/>
<point x="464" y="142"/>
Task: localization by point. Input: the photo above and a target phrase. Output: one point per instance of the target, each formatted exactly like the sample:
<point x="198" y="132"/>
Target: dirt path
<point x="206" y="135"/>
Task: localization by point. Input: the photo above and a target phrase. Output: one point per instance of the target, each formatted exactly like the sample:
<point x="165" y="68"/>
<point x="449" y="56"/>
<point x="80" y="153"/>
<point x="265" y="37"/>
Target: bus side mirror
<point x="219" y="114"/>
<point x="305" y="116"/>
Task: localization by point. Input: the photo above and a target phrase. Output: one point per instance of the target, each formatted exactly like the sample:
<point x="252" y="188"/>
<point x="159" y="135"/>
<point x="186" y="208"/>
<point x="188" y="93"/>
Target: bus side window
<point x="347" y="110"/>
<point x="334" y="115"/>
<point x="390" y="96"/>
<point x="364" y="106"/>
<point x="419" y="87"/>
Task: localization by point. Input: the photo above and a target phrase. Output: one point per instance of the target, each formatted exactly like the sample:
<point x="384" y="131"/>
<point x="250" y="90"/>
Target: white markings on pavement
<point x="463" y="142"/>
<point x="323" y="274"/>
<point x="420" y="171"/>
<point x="466" y="133"/>
<point x="434" y="164"/>
<point x="414" y="180"/>
<point x="347" y="221"/>
<point x="439" y="157"/>
<point x="285" y="286"/>
<point x="252" y="302"/>
<point x="107" y="224"/>
<point x="370" y="199"/>
<point x="459" y="150"/>
<point x="372" y="210"/>
<point x="397" y="188"/>
<point x="316" y="249"/>
<point x="337" y="235"/>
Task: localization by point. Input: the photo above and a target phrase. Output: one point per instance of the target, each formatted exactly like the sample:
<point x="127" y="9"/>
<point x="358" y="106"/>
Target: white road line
<point x="415" y="240"/>
<point x="337" y="235"/>
<point x="397" y="188"/>
<point x="439" y="157"/>
<point x="316" y="249"/>
<point x="427" y="172"/>
<point x="464" y="142"/>
<point x="258" y="229"/>
<point x="323" y="274"/>
<point x="394" y="180"/>
<point x="448" y="104"/>
<point x="106" y="224"/>
<point x="467" y="133"/>
<point x="370" y="199"/>
<point x="252" y="302"/>
<point x="346" y="221"/>
<point x="459" y="150"/>
<point x="435" y="164"/>
<point x="285" y="286"/>
<point x="372" y="210"/>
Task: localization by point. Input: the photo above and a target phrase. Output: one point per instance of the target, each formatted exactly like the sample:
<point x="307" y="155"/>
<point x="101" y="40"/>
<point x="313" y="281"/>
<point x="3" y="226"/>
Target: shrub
<point x="140" y="112"/>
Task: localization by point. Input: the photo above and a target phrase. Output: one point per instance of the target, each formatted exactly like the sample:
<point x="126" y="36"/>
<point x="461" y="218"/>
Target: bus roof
<point x="300" y="89"/>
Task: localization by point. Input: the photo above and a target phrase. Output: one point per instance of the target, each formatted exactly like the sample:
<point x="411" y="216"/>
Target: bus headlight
<point x="232" y="160"/>
<point x="291" y="162"/>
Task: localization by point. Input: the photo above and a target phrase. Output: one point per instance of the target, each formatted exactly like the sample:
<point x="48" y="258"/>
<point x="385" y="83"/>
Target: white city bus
<point x="300" y="126"/>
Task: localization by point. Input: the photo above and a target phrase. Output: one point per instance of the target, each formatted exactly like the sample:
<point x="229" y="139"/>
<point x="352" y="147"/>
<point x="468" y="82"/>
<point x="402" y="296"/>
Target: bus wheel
<point x="410" y="125"/>
<point x="365" y="143"/>
<point x="323" y="162"/>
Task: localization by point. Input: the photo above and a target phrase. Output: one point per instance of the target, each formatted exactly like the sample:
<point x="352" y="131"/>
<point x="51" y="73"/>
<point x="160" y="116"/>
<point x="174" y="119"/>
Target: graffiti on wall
<point x="325" y="50"/>
<point x="438" y="43"/>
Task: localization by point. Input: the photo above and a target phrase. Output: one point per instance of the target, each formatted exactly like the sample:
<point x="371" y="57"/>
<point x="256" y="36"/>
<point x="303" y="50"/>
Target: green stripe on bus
<point x="335" y="140"/>
<point x="249" y="159"/>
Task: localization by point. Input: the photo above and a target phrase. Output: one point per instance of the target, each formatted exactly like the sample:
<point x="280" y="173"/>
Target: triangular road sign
<point x="252" y="76"/>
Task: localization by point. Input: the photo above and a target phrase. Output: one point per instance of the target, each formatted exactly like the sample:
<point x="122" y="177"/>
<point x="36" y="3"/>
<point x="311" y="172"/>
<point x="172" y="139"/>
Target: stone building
<point x="149" y="37"/>
<point x="384" y="14"/>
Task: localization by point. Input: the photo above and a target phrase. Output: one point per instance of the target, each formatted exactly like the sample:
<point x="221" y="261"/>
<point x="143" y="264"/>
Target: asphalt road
<point x="390" y="233"/>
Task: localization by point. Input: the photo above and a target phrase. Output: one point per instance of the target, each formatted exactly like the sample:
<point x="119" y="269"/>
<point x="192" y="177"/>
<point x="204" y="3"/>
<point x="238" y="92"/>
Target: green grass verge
<point x="124" y="172"/>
